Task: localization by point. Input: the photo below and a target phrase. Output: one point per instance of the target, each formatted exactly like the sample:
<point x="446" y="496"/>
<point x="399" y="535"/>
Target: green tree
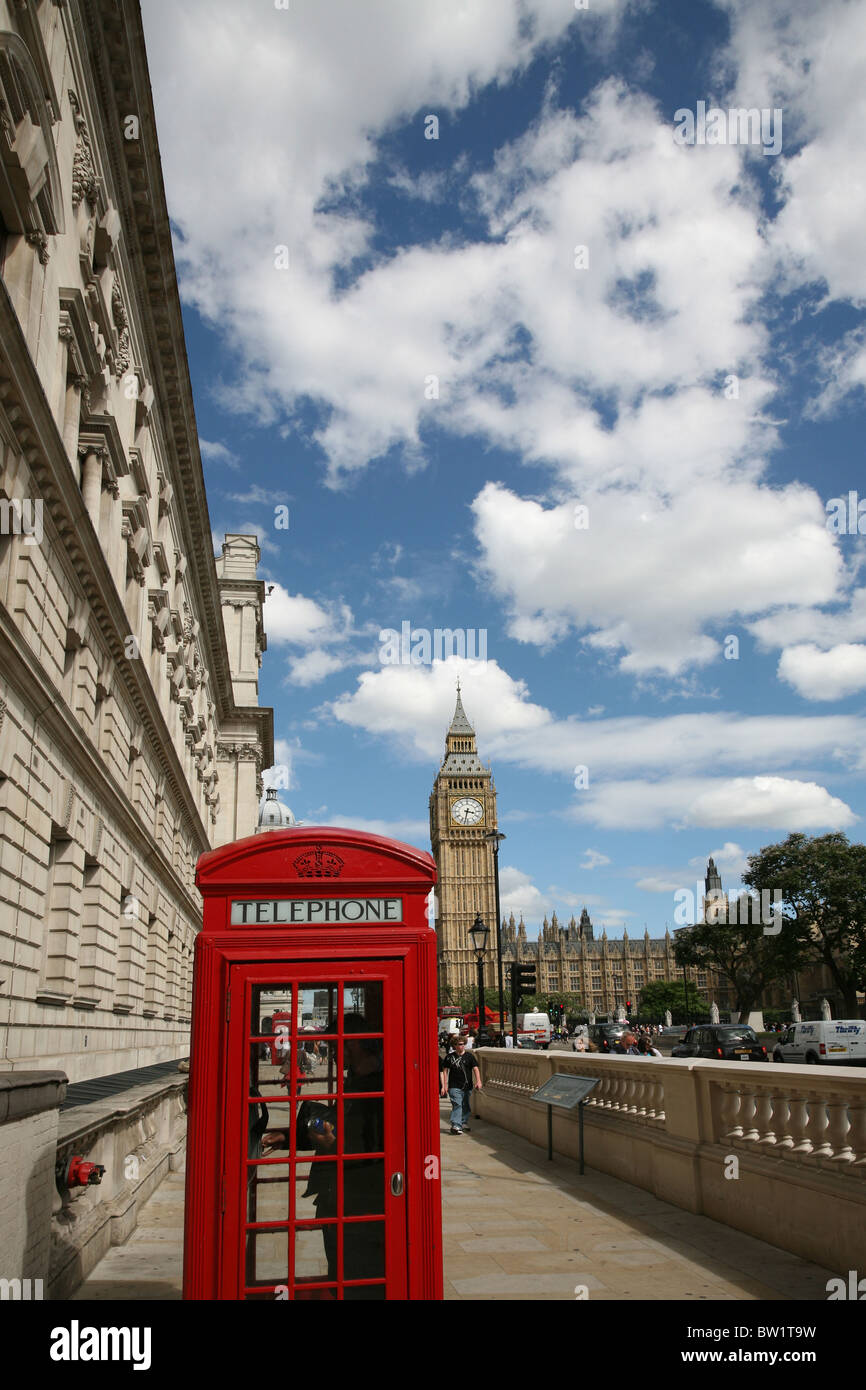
<point x="741" y="949"/>
<point x="821" y="881"/>
<point x="660" y="995"/>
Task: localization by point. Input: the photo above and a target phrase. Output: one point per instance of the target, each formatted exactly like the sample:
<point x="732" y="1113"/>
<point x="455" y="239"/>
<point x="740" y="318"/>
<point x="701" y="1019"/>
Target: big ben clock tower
<point x="462" y="813"/>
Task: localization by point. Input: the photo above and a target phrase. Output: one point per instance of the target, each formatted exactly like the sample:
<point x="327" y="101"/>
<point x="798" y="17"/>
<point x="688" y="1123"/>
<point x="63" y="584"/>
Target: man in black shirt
<point x="458" y="1076"/>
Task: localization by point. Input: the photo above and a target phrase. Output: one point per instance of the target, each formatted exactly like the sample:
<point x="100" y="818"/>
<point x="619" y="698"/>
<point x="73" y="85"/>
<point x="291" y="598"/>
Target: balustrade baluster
<point x="748" y="1110"/>
<point x="837" y="1130"/>
<point x="857" y="1136"/>
<point x="798" y="1124"/>
<point x="731" y="1126"/>
<point x="817" y="1128"/>
<point x="764" y="1122"/>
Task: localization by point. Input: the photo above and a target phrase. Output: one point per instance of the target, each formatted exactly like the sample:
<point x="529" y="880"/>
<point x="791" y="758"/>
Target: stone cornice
<point x="110" y="32"/>
<point x="42" y="447"/>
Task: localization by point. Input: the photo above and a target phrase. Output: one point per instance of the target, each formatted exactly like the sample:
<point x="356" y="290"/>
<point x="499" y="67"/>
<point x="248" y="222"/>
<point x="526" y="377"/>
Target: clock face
<point x="467" y="811"/>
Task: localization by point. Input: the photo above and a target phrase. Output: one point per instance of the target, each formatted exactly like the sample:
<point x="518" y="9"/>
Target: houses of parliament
<point x="567" y="956"/>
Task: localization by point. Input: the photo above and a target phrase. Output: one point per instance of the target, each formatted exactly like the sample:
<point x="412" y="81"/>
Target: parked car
<point x="529" y="1045"/>
<point x="722" y="1042"/>
<point x="826" y="1041"/>
<point x="606" y="1035"/>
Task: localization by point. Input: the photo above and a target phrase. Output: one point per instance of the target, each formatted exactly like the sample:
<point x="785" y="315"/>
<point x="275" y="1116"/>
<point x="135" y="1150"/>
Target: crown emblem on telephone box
<point x="319" y="863"/>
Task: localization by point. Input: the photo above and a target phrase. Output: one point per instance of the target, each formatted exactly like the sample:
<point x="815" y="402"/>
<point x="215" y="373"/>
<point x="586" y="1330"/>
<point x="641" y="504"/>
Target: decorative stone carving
<point x="85" y="183"/>
<point x="39" y="241"/>
<point x="319" y="863"/>
<point x="121" y="323"/>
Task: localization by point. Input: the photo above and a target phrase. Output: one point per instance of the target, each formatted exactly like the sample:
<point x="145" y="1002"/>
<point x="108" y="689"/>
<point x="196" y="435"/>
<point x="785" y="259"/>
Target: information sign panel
<point x="566" y="1091"/>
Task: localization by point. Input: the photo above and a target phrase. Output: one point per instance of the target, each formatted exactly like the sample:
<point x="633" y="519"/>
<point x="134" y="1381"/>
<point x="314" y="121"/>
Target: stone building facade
<point x="604" y="973"/>
<point x="130" y="734"/>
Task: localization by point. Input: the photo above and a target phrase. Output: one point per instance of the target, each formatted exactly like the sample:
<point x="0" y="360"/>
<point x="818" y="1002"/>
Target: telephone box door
<point x="314" y="1184"/>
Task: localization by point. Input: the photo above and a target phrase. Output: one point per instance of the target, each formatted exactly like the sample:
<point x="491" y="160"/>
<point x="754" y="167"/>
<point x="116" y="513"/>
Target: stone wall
<point x="28" y="1142"/>
<point x="138" y="1136"/>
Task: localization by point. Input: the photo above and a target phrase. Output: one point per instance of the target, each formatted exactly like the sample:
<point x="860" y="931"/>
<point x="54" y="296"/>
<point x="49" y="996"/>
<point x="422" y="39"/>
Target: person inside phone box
<point x="364" y="1180"/>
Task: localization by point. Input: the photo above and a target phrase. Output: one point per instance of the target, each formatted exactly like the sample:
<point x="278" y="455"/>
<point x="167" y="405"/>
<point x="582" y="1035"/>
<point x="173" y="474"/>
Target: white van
<point x="450" y="1025"/>
<point x="823" y="1042"/>
<point x="534" y="1026"/>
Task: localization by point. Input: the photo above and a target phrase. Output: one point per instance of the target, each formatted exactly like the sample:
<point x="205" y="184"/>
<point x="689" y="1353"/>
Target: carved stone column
<point x="91" y="483"/>
<point x="72" y="416"/>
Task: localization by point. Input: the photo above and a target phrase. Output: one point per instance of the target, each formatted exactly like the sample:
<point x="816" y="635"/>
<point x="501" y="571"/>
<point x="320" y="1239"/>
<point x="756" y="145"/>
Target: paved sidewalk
<point x="150" y="1265"/>
<point x="519" y="1227"/>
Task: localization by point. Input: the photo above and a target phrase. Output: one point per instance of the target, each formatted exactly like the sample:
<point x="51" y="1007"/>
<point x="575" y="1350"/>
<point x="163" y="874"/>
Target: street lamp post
<point x="495" y="837"/>
<point x="686" y="988"/>
<point x="479" y="931"/>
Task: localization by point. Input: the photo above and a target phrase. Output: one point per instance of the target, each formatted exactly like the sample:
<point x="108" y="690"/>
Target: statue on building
<point x="825" y="1009"/>
<point x="714" y="1012"/>
<point x="668" y="1019"/>
<point x="795" y="1011"/>
<point x="620" y="1013"/>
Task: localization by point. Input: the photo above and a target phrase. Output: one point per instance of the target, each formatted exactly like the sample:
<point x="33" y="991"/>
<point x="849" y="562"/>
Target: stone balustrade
<point x="776" y="1151"/>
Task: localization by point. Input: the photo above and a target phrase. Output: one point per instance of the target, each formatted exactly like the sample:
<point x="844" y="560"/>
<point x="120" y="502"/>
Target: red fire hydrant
<point x="79" y="1173"/>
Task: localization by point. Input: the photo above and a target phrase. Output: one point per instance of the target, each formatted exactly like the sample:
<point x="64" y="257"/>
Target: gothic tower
<point x="462" y="813"/>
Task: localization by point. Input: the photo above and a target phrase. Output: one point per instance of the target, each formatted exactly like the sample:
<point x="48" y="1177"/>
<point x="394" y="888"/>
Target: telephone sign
<point x="313" y="1112"/>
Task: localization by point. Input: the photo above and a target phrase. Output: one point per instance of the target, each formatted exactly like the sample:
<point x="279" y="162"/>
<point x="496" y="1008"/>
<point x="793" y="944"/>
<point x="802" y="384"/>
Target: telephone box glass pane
<point x="268" y="1192"/>
<point x="363" y="1187"/>
<point x="363" y="1125"/>
<point x="310" y="1178"/>
<point x="267" y="1258"/>
<point x="364" y="1255"/>
<point x="311" y="1259"/>
<point x="362" y="1005"/>
<point x="317" y="1008"/>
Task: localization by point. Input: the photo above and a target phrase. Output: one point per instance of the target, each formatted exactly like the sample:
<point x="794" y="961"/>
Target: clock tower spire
<point x="462" y="814"/>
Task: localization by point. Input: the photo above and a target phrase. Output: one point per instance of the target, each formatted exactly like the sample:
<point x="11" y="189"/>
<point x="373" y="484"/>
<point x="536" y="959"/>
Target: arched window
<point x="31" y="201"/>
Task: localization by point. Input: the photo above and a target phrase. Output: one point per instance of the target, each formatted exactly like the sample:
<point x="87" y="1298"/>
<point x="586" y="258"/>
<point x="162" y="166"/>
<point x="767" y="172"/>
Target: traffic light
<point x="628" y="1005"/>
<point x="522" y="980"/>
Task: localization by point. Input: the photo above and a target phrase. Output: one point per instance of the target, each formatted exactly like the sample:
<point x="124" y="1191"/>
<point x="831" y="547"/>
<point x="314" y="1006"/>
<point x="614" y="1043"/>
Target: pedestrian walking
<point x="459" y="1075"/>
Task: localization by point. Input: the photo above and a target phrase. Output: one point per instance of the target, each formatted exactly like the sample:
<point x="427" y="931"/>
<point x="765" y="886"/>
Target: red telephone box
<point x="313" y="1150"/>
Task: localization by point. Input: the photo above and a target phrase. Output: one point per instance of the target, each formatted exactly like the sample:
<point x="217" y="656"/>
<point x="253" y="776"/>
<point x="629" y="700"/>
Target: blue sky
<point x="398" y="338"/>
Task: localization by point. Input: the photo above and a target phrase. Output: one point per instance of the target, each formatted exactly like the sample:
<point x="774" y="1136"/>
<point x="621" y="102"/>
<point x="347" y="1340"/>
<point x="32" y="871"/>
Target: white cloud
<point x="790" y="626"/>
<point x="615" y="579"/>
<point x="776" y="803"/>
<point x="213" y="451"/>
<point x="809" y="59"/>
<point x="730" y="859"/>
<point x="294" y="618"/>
<point x="415" y="705"/>
<point x="593" y="859"/>
<point x="411" y="832"/>
<point x="518" y="894"/>
<point x="314" y="666"/>
<point x="830" y="675"/>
